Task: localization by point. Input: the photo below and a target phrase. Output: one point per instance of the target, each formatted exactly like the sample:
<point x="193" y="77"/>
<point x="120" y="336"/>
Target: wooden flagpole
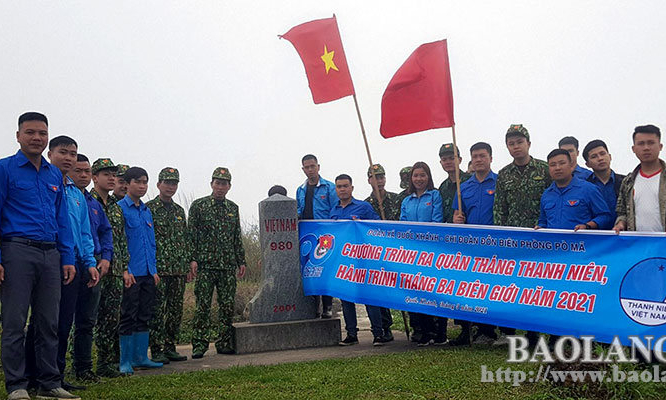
<point x="375" y="190"/>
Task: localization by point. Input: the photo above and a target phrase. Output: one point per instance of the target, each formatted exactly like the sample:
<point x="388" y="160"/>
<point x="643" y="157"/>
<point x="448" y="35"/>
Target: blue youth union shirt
<point x="577" y="203"/>
<point x="477" y="199"/>
<point x="140" y="232"/>
<point x="356" y="209"/>
<point x="32" y="204"/>
<point x="427" y="208"/>
<point x="323" y="201"/>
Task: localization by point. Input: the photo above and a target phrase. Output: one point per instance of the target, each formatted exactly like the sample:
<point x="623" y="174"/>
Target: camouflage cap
<point x="377" y="168"/>
<point x="517" y="130"/>
<point x="447" y="148"/>
<point x="122" y="168"/>
<point x="222" y="173"/>
<point x="102" y="163"/>
<point x="169" y="174"/>
<point x="406" y="170"/>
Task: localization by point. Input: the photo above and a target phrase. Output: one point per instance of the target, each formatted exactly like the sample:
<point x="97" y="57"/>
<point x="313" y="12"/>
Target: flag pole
<point x="375" y="189"/>
<point x="456" y="157"/>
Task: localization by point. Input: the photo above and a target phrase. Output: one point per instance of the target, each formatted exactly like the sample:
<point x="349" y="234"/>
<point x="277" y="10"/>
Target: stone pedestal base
<point x="271" y="336"/>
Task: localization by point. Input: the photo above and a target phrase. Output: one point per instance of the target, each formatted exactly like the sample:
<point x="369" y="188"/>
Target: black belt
<point x="32" y="243"/>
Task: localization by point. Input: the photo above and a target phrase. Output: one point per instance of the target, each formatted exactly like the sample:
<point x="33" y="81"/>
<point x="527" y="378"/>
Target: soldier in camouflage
<point x="518" y="191"/>
<point x="120" y="186"/>
<point x="218" y="250"/>
<point x="111" y="284"/>
<point x="448" y="188"/>
<point x="390" y="201"/>
<point x="174" y="254"/>
<point x="405" y="176"/>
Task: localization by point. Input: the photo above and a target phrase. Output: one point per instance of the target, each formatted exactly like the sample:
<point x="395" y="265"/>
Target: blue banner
<point x="551" y="281"/>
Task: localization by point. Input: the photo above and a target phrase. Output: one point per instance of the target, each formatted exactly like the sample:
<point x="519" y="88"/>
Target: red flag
<point x="320" y="47"/>
<point x="419" y="96"/>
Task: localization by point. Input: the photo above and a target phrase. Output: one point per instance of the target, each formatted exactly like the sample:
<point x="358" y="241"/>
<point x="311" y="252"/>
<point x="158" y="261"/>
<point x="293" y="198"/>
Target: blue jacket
<point x="323" y="201"/>
<point x="140" y="231"/>
<point x="32" y="204"/>
<point x="477" y="199"/>
<point x="577" y="203"/>
<point x="100" y="227"/>
<point x="582" y="173"/>
<point x="427" y="208"/>
<point x="356" y="209"/>
<point x="84" y="247"/>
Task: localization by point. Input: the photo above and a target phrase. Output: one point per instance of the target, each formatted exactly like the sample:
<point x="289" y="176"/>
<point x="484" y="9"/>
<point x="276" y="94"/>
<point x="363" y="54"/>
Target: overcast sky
<point x="200" y="84"/>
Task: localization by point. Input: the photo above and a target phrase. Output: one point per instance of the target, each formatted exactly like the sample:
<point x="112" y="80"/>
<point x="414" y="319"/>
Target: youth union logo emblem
<point x="643" y="292"/>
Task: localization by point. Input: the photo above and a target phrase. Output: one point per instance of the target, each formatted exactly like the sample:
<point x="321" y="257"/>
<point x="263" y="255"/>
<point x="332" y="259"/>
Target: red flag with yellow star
<point x="320" y="47"/>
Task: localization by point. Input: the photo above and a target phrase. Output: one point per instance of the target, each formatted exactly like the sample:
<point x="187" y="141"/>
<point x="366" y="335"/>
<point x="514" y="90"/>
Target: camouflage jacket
<point x="174" y="247"/>
<point x="216" y="234"/>
<point x="117" y="220"/>
<point x="448" y="192"/>
<point x="518" y="194"/>
<point x="401" y="196"/>
<point x="625" y="208"/>
<point x="391" y="205"/>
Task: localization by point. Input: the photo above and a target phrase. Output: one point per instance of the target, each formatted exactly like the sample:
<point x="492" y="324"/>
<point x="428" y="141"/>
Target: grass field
<point x="433" y="373"/>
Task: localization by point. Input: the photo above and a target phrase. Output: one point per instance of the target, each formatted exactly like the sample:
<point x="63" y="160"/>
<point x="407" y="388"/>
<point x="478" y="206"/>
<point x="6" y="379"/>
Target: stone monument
<point x="281" y="317"/>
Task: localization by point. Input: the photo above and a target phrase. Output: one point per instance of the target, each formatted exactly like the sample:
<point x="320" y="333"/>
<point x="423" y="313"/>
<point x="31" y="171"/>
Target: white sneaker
<point x="501" y="341"/>
<point x="19" y="394"/>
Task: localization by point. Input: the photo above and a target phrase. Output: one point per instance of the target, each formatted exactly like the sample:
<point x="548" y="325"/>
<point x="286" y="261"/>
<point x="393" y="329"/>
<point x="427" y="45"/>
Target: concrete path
<point x="212" y="360"/>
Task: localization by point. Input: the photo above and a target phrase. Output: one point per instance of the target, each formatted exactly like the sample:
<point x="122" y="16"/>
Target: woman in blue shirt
<point x="424" y="204"/>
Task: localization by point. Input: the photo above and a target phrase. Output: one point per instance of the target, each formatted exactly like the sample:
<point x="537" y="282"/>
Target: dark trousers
<point x="68" y="302"/>
<point x="136" y="308"/>
<point x="387" y="320"/>
<point x="326" y="302"/>
<point x="85" y="318"/>
<point x="351" y="324"/>
<point x="424" y="324"/>
<point x="32" y="279"/>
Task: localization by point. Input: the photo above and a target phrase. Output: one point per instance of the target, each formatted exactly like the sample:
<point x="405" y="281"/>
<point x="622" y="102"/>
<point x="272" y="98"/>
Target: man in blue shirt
<point x="141" y="279"/>
<point x="570" y="144"/>
<point x="571" y="203"/>
<point x="62" y="153"/>
<point x="598" y="158"/>
<point x="314" y="199"/>
<point x="478" y="195"/>
<point x="36" y="243"/>
<point x="88" y="298"/>
<point x="350" y="208"/>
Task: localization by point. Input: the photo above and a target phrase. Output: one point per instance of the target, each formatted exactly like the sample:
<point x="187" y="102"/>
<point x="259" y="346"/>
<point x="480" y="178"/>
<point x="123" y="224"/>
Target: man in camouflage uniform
<point x="391" y="203"/>
<point x="218" y="250"/>
<point x="174" y="254"/>
<point x="518" y="191"/>
<point x="448" y="189"/>
<point x="405" y="176"/>
<point x="120" y="186"/>
<point x="111" y="284"/>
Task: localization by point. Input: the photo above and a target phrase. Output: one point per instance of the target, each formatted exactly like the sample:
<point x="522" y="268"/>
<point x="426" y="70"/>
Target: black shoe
<point x="379" y="341"/>
<point x="388" y="335"/>
<point x="87" y="376"/>
<point x="416" y="336"/>
<point x="462" y="340"/>
<point x="441" y="341"/>
<point x="349" y="340"/>
<point x="196" y="355"/>
<point x="70" y="387"/>
<point x="424" y="341"/>
<point x="328" y="313"/>
<point x="226" y="350"/>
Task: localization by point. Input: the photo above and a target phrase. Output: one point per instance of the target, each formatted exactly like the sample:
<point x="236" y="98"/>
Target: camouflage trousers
<point x="108" y="318"/>
<point x="224" y="281"/>
<point x="165" y="325"/>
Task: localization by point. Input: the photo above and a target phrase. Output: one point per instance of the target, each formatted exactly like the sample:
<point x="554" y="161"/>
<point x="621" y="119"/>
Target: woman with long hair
<point x="424" y="204"/>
